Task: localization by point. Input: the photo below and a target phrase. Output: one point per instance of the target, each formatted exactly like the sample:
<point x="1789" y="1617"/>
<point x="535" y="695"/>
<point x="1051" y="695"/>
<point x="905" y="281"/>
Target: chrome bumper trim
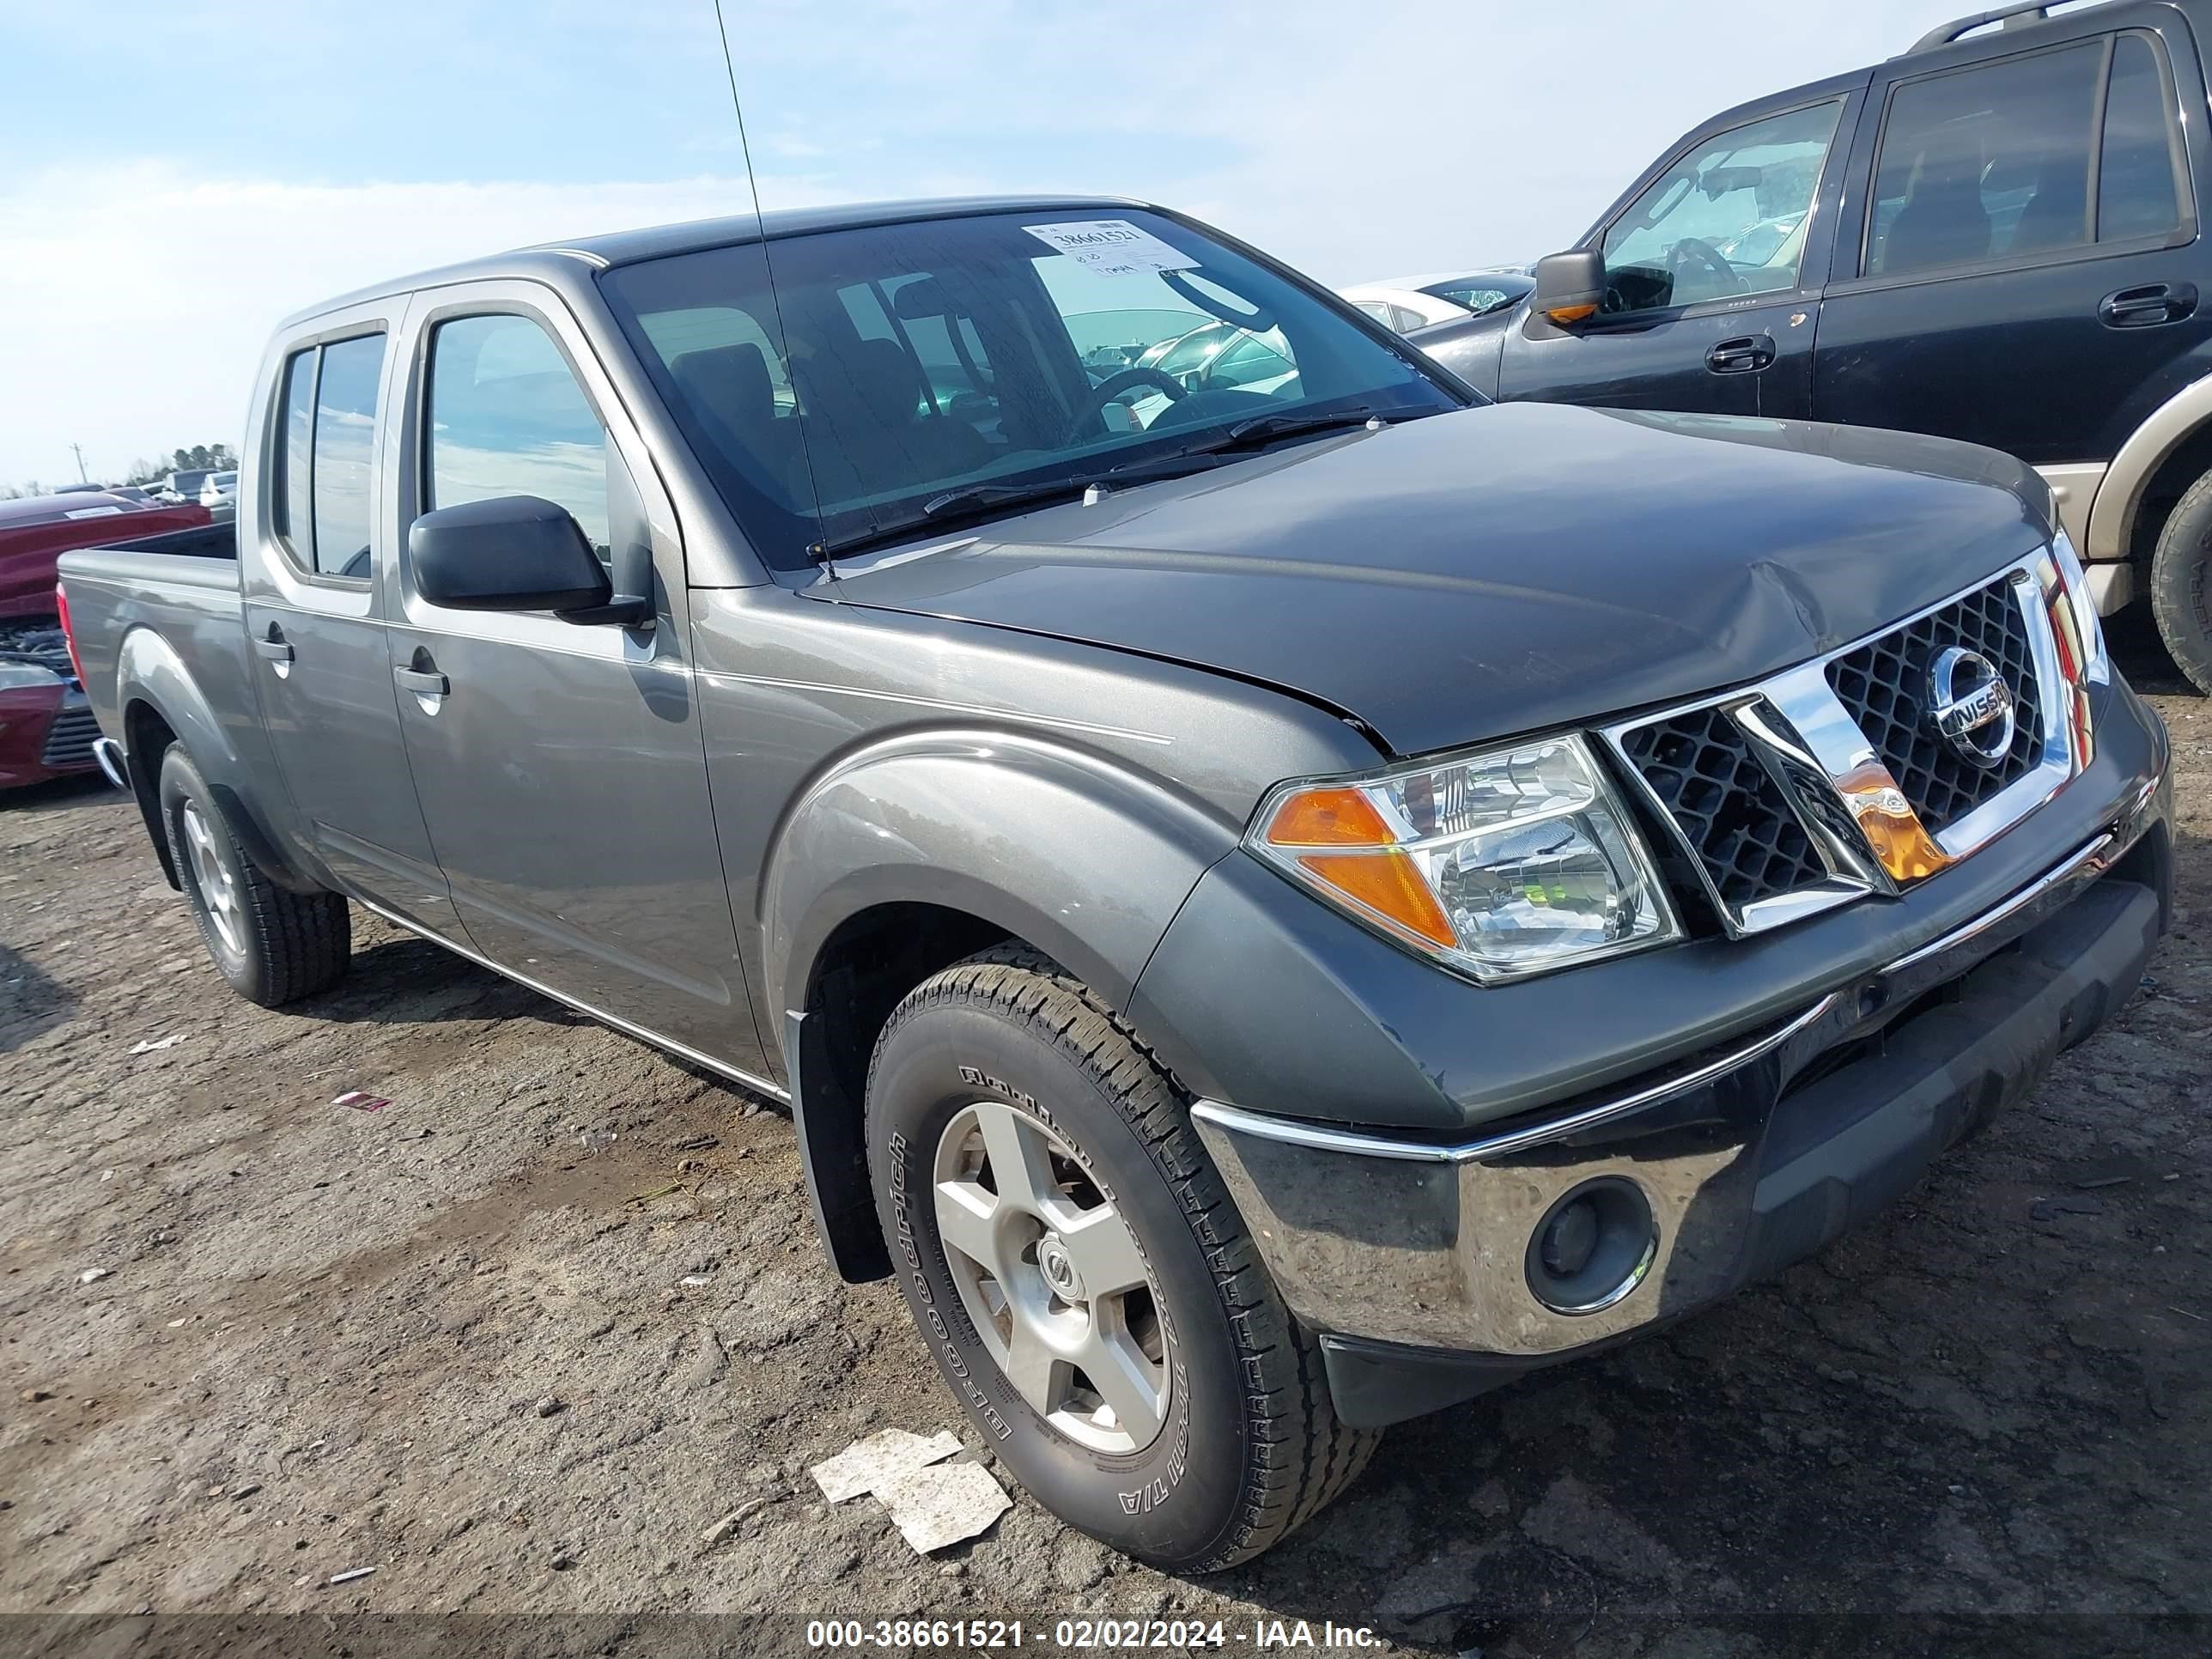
<point x="109" y="754"/>
<point x="1294" y="1132"/>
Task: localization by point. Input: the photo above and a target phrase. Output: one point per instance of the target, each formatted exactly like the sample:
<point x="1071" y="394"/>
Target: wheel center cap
<point x="1059" y="1268"/>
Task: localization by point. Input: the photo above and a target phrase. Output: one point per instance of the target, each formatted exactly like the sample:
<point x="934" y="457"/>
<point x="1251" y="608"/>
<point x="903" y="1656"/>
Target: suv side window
<point x="345" y="440"/>
<point x="505" y="416"/>
<point x="1988" y="162"/>
<point x="2138" y="192"/>
<point x="1728" y="218"/>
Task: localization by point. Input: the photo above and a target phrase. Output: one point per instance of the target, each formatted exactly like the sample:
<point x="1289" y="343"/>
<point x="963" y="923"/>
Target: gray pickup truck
<point x="1276" y="903"/>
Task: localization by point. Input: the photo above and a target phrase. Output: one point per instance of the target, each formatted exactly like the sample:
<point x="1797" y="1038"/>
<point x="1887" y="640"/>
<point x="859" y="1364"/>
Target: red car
<point x="46" y="727"/>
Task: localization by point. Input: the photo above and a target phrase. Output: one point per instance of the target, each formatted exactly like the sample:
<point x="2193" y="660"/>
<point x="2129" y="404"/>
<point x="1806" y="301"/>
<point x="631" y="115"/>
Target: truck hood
<point x="1499" y="570"/>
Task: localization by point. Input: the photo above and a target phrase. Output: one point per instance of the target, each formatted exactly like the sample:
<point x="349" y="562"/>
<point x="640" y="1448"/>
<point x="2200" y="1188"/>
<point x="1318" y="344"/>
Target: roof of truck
<point x="653" y="242"/>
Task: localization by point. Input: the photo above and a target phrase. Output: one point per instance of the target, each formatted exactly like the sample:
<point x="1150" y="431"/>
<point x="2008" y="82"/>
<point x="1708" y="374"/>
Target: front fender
<point x="1074" y="852"/>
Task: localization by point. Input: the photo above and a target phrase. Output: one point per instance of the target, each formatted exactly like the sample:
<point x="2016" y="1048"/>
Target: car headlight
<point x="2084" y="640"/>
<point x="1510" y="862"/>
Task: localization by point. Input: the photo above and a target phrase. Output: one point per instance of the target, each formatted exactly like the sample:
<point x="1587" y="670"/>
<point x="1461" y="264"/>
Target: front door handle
<point x="422" y="682"/>
<point x="2148" y="306"/>
<point x="1745" y="355"/>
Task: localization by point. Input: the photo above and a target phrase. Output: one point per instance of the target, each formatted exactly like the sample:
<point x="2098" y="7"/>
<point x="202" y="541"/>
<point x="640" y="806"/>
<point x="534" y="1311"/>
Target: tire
<point x="273" y="946"/>
<point x="2181" y="583"/>
<point x="1004" y="1061"/>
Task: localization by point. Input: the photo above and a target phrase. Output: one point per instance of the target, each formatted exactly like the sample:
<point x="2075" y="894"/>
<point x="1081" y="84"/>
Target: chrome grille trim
<point x="1807" y="739"/>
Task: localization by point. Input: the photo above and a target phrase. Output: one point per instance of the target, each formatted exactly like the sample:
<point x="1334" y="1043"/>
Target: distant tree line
<point x="213" y="458"/>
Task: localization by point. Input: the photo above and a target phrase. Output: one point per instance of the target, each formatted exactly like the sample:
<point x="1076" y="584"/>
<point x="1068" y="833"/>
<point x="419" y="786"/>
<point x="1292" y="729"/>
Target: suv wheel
<point x="2181" y="583"/>
<point x="272" y="946"/>
<point x="1082" y="1279"/>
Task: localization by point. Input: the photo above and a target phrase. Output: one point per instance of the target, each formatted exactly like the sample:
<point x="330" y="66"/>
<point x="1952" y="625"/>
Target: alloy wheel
<point x="211" y="878"/>
<point x="1052" y="1278"/>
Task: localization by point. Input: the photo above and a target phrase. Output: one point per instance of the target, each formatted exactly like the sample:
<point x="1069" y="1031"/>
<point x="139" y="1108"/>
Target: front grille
<point x="1726" y="804"/>
<point x="70" y="737"/>
<point x="1884" y="686"/>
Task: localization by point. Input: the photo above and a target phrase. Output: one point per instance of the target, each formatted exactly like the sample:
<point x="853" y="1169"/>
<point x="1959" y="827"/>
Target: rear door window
<point x="343" y="444"/>
<point x="1997" y="162"/>
<point x="2138" y="192"/>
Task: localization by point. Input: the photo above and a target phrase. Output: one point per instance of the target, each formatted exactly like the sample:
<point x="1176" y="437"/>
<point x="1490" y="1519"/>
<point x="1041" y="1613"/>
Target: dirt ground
<point x="520" y="1339"/>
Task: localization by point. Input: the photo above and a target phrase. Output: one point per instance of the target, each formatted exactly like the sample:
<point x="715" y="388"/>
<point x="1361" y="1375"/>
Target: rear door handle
<point x="1745" y="355"/>
<point x="2149" y="306"/>
<point x="422" y="683"/>
<point x="274" y="646"/>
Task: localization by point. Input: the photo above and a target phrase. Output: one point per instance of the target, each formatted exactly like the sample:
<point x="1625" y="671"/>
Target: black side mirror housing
<point x="1570" y="287"/>
<point x="510" y="553"/>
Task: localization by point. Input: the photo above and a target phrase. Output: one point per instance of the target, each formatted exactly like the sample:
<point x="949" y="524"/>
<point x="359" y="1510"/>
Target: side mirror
<point x="1570" y="287"/>
<point x="508" y="553"/>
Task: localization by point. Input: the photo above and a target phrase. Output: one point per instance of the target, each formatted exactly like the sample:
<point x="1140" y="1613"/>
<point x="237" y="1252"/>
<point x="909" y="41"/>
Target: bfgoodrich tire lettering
<point x="273" y="946"/>
<point x="1247" y="1445"/>
<point x="2181" y="583"/>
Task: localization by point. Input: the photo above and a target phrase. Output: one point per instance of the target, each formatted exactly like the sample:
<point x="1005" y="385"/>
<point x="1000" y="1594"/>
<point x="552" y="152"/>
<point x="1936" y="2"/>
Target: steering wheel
<point x="1110" y="389"/>
<point x="1700" y="251"/>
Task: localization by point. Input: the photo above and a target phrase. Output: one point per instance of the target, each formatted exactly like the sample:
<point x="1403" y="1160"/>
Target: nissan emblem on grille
<point x="1972" y="705"/>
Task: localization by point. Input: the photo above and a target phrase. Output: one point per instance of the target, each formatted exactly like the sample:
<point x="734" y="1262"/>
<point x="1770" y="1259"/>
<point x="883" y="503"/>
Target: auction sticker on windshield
<point x="1112" y="247"/>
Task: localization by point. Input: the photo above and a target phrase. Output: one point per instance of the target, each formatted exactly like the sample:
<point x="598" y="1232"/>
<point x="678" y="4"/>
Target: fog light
<point x="1569" y="1238"/>
<point x="1593" y="1246"/>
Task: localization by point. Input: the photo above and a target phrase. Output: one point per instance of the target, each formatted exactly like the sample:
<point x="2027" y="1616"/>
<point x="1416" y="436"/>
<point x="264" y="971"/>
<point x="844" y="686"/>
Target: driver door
<point x="1713" y="273"/>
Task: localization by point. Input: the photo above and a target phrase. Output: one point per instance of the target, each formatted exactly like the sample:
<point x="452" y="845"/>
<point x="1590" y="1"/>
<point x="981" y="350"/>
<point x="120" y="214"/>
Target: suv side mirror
<point x="1570" y="287"/>
<point x="508" y="553"/>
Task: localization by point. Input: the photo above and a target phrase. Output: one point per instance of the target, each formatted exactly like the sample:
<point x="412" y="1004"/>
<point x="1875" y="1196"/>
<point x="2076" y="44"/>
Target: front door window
<point x="1729" y="218"/>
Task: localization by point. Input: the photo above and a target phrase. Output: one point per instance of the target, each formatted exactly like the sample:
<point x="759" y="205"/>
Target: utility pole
<point x="82" y="477"/>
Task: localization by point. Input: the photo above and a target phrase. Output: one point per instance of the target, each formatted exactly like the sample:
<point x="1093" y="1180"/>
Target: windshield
<point x="896" y="364"/>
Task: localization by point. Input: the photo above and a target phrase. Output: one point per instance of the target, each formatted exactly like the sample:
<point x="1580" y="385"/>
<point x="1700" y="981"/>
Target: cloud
<point x="135" y="294"/>
<point x="135" y="302"/>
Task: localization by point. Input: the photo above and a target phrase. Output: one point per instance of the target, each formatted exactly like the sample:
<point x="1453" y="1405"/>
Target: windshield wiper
<point x="969" y="502"/>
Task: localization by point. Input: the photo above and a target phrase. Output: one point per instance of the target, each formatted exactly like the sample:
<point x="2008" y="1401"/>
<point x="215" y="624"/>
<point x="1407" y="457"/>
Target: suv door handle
<point x="274" y="646"/>
<point x="1745" y="355"/>
<point x="422" y="682"/>
<point x="2148" y="306"/>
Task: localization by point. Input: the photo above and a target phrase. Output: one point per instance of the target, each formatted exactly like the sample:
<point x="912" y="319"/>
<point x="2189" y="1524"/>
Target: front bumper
<point x="1401" y="1248"/>
<point x="44" y="731"/>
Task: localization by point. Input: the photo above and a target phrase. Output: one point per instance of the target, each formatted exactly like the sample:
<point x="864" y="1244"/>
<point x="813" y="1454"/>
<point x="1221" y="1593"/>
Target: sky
<point x="180" y="176"/>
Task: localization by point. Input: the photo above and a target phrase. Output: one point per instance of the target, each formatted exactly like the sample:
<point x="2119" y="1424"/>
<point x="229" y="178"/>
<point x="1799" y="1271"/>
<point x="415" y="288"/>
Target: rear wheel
<point x="2181" y="583"/>
<point x="273" y="946"/>
<point x="1083" y="1280"/>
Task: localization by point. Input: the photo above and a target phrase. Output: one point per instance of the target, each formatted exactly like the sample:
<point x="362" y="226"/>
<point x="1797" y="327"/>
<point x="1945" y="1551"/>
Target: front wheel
<point x="273" y="946"/>
<point x="2181" y="583"/>
<point x="1083" y="1280"/>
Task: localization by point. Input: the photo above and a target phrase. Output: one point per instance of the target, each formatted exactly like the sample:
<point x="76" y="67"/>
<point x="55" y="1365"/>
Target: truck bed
<point x="180" y="590"/>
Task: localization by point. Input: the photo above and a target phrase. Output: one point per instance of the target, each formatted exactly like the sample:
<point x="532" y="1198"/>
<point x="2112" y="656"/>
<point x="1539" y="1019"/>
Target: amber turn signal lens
<point x="1567" y="316"/>
<point x="1389" y="885"/>
<point x="1893" y="828"/>
<point x="1328" y="817"/>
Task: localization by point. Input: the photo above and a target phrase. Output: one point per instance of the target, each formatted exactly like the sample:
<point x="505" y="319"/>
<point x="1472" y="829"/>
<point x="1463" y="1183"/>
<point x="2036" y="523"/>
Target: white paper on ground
<point x="865" y="1465"/>
<point x="1112" y="247"/>
<point x="942" y="1503"/>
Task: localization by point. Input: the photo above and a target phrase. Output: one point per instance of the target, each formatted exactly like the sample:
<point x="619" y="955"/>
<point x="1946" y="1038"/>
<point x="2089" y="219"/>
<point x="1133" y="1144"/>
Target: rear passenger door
<point x="559" y="765"/>
<point x="314" y="540"/>
<point x="2009" y="278"/>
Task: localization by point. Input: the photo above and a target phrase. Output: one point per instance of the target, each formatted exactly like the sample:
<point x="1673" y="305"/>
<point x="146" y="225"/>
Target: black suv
<point x="1993" y="237"/>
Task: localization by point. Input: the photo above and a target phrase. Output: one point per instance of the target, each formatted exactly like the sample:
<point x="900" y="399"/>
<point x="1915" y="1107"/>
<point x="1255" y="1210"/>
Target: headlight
<point x="2086" y="637"/>
<point x="1513" y="862"/>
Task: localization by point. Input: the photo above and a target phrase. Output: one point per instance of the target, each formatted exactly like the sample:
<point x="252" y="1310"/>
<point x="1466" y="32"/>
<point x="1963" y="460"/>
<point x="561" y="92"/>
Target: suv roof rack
<point x="2012" y="17"/>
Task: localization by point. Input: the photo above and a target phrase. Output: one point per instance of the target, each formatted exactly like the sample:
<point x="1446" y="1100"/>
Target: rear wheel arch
<point x="2168" y="451"/>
